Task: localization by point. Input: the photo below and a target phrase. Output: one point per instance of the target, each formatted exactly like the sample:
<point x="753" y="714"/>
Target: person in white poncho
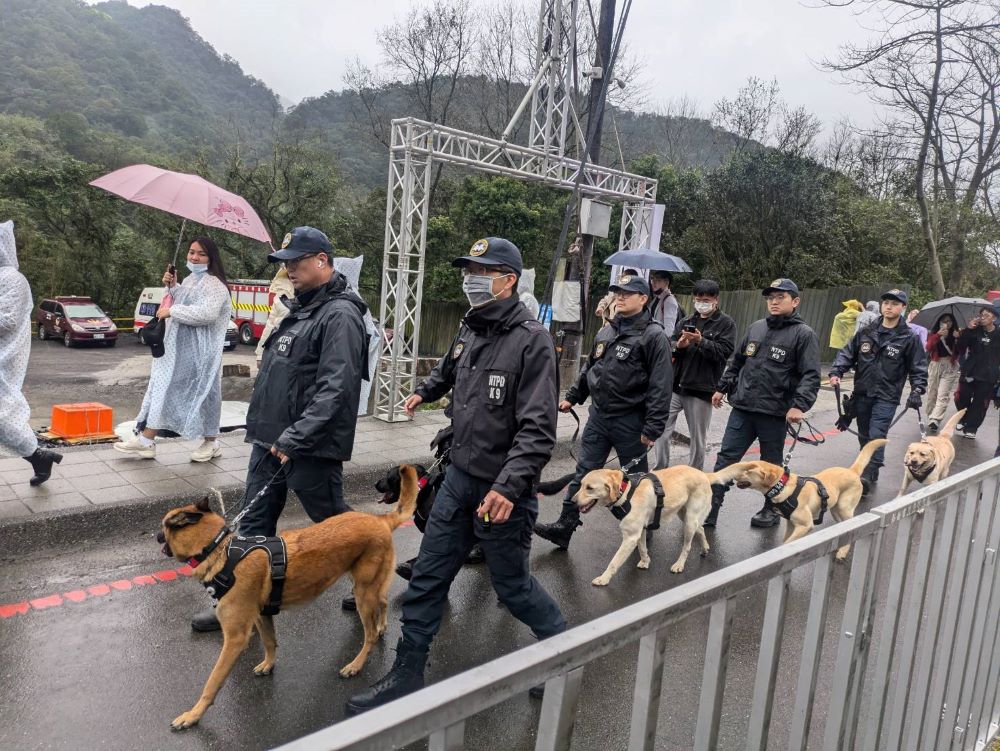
<point x="16" y="436"/>
<point x="185" y="385"/>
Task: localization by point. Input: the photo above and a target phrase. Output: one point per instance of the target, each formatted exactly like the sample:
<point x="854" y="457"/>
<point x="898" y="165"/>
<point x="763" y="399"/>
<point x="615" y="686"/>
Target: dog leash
<point x="843" y="421"/>
<point x="815" y="439"/>
<point x="267" y="485"/>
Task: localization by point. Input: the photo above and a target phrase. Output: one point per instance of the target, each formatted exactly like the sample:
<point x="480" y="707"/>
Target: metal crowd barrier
<point x="915" y="663"/>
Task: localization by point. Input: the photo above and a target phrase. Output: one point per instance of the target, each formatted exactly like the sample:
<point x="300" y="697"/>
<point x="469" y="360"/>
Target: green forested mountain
<point x="142" y="73"/>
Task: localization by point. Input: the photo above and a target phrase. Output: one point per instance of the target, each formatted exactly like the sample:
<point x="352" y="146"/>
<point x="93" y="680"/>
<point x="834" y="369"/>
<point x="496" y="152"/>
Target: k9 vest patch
<point x="892" y="352"/>
<point x="283" y="345"/>
<point x="622" y="351"/>
<point x="778" y="354"/>
<point x="496" y="388"/>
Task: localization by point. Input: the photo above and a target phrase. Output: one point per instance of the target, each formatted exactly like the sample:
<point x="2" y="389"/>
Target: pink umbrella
<point x="187" y="196"/>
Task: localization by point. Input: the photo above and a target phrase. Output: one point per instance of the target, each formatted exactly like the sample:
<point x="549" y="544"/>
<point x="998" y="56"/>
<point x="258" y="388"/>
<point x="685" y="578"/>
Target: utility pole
<point x="579" y="264"/>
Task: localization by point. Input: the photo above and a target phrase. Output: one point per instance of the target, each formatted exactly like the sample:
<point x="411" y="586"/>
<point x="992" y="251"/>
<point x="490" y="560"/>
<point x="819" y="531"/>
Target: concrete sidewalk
<point x="91" y="478"/>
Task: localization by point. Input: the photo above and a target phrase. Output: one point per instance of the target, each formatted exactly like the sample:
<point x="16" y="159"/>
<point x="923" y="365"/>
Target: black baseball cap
<point x="896" y="294"/>
<point x="782" y="285"/>
<point x="301" y="241"/>
<point x="630" y="283"/>
<point x="492" y="251"/>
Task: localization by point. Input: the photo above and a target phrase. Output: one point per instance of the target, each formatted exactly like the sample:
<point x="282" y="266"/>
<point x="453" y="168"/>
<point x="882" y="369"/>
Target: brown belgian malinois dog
<point x="355" y="543"/>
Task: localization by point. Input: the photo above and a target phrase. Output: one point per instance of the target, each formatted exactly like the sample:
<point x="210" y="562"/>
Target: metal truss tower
<point x="418" y="146"/>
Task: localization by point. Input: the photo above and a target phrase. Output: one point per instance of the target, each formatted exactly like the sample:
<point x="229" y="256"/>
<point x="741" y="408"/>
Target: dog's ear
<point x="183" y="519"/>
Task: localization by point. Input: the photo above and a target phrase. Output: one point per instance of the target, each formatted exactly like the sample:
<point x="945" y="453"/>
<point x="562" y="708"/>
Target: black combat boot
<point x="766" y="517"/>
<point x="561" y="530"/>
<point x="476" y="555"/>
<point x="869" y="479"/>
<point x="406" y="676"/>
<point x="713" y="515"/>
<point x="41" y="461"/>
<point x="405" y="569"/>
<point x="206" y="620"/>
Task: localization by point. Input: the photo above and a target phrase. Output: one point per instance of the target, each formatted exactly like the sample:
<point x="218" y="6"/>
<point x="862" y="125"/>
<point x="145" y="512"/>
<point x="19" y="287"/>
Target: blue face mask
<point x="197" y="268"/>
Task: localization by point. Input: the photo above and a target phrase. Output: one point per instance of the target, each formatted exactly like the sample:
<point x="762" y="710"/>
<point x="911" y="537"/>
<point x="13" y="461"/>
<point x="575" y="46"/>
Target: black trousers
<point x="319" y="484"/>
<point x="874" y="418"/>
<point x="974" y="398"/>
<point x="452" y="529"/>
<point x="623" y="433"/>
<point x="742" y="430"/>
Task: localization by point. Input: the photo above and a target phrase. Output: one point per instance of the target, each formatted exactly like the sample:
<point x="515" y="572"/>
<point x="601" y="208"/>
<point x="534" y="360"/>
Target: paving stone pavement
<point x="94" y="476"/>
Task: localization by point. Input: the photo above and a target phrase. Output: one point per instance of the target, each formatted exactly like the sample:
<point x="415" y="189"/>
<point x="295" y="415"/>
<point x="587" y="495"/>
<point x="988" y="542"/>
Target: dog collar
<point x="778" y="486"/>
<point x="923" y="474"/>
<point x="196" y="560"/>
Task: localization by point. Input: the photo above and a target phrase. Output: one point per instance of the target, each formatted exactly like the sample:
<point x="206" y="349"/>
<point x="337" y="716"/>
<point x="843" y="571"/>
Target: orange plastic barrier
<point x="87" y="420"/>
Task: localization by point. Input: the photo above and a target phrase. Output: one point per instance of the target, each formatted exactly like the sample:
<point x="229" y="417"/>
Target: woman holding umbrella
<point x="942" y="371"/>
<point x="185" y="386"/>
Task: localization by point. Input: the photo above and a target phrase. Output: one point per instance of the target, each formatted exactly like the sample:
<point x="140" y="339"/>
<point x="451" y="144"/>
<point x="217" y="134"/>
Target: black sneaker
<point x="932" y="427"/>
<point x="405" y="569"/>
<point x="41" y="462"/>
<point x="476" y="555"/>
<point x="766" y="517"/>
<point x="349" y="604"/>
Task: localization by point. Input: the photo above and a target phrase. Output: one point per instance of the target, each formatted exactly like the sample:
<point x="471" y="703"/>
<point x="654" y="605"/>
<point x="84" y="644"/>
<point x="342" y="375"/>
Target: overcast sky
<point x="704" y="49"/>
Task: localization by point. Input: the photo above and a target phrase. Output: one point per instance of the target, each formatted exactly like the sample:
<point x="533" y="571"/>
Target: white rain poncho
<point x="351" y="268"/>
<point x="185" y="385"/>
<point x="16" y="437"/>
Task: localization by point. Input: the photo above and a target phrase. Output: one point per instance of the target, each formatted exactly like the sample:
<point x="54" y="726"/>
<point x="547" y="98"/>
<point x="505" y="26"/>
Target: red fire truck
<point x="251" y="305"/>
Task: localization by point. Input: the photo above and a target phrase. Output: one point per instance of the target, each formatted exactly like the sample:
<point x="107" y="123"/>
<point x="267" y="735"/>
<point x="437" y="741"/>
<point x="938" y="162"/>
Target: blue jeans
<point x="742" y="430"/>
<point x="874" y="416"/>
<point x="602" y="434"/>
<point x="452" y="529"/>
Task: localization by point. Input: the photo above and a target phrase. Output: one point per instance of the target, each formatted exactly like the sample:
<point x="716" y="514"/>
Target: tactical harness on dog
<point x="922" y="474"/>
<point x="239" y="548"/>
<point x="788" y="506"/>
<point x="621" y="508"/>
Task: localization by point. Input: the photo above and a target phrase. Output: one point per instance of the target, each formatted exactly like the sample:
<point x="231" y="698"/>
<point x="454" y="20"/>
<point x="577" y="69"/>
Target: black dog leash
<point x="814" y="439"/>
<point x="844" y="420"/>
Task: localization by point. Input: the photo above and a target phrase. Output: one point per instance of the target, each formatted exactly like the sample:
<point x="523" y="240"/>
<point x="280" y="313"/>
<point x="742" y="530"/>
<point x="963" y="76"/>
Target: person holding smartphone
<point x="703" y="343"/>
<point x="979" y="348"/>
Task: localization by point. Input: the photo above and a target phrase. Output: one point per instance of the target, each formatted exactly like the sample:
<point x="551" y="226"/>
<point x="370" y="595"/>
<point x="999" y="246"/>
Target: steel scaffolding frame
<point x="417" y="147"/>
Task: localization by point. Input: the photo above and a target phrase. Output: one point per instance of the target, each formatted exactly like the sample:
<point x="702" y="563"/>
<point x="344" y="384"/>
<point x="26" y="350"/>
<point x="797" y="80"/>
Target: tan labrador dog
<point x="687" y="494"/>
<point x="843" y="485"/>
<point x="929" y="460"/>
<point x="355" y="543"/>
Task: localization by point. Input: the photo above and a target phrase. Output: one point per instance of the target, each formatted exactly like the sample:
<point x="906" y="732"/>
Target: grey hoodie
<point x="16" y="438"/>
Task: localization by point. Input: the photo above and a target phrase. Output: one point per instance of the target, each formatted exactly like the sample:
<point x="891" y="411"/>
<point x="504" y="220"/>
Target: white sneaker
<point x="206" y="452"/>
<point x="969" y="434"/>
<point x="135" y="447"/>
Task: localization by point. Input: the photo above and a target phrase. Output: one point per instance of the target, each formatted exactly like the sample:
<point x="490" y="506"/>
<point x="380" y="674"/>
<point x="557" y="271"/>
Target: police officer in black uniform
<point x="629" y="378"/>
<point x="883" y="355"/>
<point x="501" y="370"/>
<point x="772" y="378"/>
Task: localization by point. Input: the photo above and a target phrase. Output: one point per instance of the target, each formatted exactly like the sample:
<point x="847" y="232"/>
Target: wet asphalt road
<point x="112" y="671"/>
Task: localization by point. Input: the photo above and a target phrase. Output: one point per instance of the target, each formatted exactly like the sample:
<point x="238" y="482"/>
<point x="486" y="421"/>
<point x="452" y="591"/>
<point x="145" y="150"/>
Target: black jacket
<point x="697" y="370"/>
<point x="980" y="353"/>
<point x="305" y="400"/>
<point x="502" y="371"/>
<point x="629" y="369"/>
<point x="882" y="360"/>
<point x="775" y="368"/>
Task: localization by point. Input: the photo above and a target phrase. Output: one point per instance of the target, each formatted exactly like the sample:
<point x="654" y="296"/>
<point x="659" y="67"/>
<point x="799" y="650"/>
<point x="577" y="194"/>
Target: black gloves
<point x="914" y="400"/>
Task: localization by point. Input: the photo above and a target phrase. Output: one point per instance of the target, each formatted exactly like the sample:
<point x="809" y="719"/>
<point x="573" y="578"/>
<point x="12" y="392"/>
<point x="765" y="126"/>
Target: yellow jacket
<point x="843" y="323"/>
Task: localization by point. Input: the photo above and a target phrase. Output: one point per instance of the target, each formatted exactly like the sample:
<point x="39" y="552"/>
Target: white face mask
<point x="478" y="289"/>
<point x="704" y="308"/>
<point x="197" y="268"/>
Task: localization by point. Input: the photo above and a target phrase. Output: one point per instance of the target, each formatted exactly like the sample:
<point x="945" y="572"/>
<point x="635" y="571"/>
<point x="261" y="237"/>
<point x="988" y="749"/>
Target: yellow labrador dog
<point x="929" y="460"/>
<point x="687" y="494"/>
<point x="843" y="486"/>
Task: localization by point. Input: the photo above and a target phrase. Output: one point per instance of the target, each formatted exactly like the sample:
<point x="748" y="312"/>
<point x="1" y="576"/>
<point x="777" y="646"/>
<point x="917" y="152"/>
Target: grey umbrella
<point x="961" y="309"/>
<point x="644" y="258"/>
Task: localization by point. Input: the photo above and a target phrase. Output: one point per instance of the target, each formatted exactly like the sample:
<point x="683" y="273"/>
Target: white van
<point x="149" y="302"/>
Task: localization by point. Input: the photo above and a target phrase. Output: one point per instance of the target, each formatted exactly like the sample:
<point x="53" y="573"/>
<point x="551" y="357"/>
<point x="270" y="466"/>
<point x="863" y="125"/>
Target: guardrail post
<point x="930" y="627"/>
<point x="767" y="662"/>
<point x="713" y="682"/>
<point x="646" y="699"/>
<point x="451" y="738"/>
<point x="812" y="647"/>
<point x="555" y="727"/>
<point x="875" y="716"/>
<point x="852" y="652"/>
<point x="984" y="695"/>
